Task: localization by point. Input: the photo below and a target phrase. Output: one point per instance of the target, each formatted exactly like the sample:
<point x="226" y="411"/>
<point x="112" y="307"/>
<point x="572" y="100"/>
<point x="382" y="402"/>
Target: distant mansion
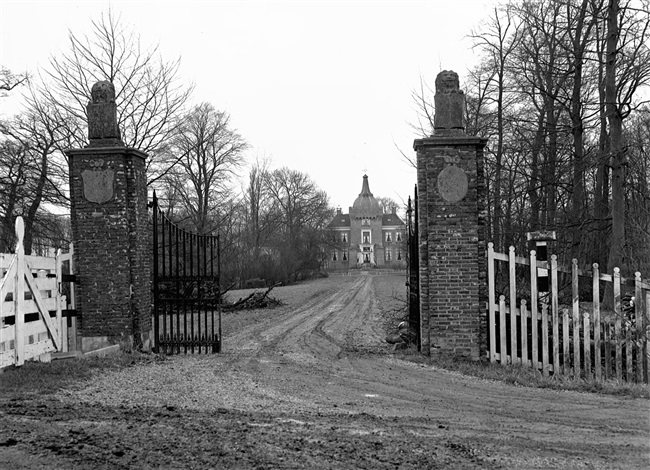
<point x="366" y="237"/>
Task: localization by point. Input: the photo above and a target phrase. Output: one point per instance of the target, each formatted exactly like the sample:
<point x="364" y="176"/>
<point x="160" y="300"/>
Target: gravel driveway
<point x="313" y="385"/>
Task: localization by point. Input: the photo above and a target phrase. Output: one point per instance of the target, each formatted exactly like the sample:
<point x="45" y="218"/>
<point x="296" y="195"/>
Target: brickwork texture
<point x="111" y="244"/>
<point x="452" y="244"/>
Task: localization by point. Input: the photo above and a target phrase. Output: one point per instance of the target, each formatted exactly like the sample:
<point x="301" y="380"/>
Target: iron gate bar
<point x="185" y="284"/>
<point x="197" y="247"/>
<point x="184" y="297"/>
<point x="413" y="268"/>
<point x="178" y="289"/>
<point x="191" y="237"/>
<point x="156" y="332"/>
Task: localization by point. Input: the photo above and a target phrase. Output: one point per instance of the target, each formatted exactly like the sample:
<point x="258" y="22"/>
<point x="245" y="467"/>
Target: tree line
<point x="561" y="91"/>
<point x="271" y="226"/>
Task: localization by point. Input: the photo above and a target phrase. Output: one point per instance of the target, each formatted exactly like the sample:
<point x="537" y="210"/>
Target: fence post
<point x="617" y="323"/>
<point x="545" y="339"/>
<point x="566" y="343"/>
<point x="513" y="304"/>
<point x="646" y="351"/>
<point x="586" y="345"/>
<point x="502" y="330"/>
<point x="555" y="317"/>
<point x="524" y="332"/>
<point x="491" y="303"/>
<point x="533" y="310"/>
<point x="74" y="346"/>
<point x="61" y="323"/>
<point x="597" y="344"/>
<point x="640" y="326"/>
<point x="19" y="295"/>
<point x="575" y="292"/>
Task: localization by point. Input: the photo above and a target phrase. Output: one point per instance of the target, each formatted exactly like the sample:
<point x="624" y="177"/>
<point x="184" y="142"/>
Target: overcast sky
<point x="320" y="87"/>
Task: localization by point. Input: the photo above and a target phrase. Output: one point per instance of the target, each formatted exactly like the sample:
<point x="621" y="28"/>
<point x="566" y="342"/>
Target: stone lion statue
<point x="103" y="92"/>
<point x="450" y="104"/>
<point x="102" y="116"/>
<point x="447" y="82"/>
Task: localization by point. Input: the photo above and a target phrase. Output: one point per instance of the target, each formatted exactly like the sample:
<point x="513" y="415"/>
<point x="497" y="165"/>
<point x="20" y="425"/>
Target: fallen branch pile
<point x="257" y="299"/>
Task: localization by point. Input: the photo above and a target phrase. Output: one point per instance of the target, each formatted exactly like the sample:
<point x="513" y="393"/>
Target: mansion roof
<point x="365" y="206"/>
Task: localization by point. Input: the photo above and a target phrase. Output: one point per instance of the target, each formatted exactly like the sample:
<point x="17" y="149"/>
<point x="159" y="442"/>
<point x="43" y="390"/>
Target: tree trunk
<point x="30" y="217"/>
<point x="617" y="149"/>
<point x="578" y="200"/>
<point x="534" y="182"/>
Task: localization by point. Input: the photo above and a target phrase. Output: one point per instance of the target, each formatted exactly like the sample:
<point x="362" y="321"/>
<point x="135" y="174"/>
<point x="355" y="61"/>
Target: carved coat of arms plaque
<point x="452" y="184"/>
<point x="98" y="185"/>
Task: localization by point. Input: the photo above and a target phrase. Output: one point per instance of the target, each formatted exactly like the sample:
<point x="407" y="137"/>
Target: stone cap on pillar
<point x="103" y="130"/>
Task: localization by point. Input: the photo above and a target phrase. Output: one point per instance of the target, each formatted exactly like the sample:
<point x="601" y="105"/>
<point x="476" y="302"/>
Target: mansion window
<point x="399" y="254"/>
<point x="344" y="238"/>
<point x="334" y="256"/>
<point x="365" y="236"/>
<point x="399" y="236"/>
<point x="388" y="255"/>
<point x="345" y="255"/>
<point x="388" y="237"/>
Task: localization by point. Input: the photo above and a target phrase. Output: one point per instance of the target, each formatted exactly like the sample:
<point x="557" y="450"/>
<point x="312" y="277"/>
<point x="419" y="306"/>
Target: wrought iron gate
<point x="186" y="273"/>
<point x="413" y="267"/>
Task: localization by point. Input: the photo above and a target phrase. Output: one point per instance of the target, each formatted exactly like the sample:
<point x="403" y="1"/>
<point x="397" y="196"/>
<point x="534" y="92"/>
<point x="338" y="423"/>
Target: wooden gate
<point x="413" y="267"/>
<point x="574" y="337"/>
<point x="186" y="273"/>
<point x="32" y="304"/>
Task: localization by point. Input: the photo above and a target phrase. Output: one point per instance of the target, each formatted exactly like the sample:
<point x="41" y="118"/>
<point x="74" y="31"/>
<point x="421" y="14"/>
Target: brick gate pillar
<point x="108" y="195"/>
<point x="451" y="216"/>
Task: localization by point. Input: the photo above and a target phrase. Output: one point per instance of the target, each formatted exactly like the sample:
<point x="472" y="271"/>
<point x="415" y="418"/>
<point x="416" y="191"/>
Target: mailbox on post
<point x="539" y="241"/>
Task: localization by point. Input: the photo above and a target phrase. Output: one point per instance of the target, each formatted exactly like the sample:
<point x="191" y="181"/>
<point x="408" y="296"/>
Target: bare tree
<point x="34" y="171"/>
<point x="257" y="199"/>
<point x="387" y="204"/>
<point x="208" y="152"/>
<point x="626" y="68"/>
<point x="9" y="81"/>
<point x="497" y="41"/>
<point x="581" y="22"/>
<point x="303" y="211"/>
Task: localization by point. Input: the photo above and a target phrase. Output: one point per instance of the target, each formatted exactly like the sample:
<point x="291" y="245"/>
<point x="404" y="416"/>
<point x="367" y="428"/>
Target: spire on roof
<point x="365" y="188"/>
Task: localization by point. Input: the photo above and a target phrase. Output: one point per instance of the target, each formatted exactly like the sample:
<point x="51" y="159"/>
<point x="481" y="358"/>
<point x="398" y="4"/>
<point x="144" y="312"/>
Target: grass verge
<point x="38" y="378"/>
<point x="525" y="376"/>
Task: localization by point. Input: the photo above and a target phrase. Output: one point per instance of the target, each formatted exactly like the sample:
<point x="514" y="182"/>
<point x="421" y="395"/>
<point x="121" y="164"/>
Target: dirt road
<point x="314" y="386"/>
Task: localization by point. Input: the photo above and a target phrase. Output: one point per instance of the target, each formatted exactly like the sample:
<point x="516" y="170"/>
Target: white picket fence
<point x="31" y="305"/>
<point x="581" y="339"/>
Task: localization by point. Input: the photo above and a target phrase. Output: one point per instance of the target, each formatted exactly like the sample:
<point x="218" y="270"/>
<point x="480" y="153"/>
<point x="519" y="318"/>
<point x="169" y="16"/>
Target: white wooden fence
<point x="31" y="305"/>
<point x="581" y="339"/>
